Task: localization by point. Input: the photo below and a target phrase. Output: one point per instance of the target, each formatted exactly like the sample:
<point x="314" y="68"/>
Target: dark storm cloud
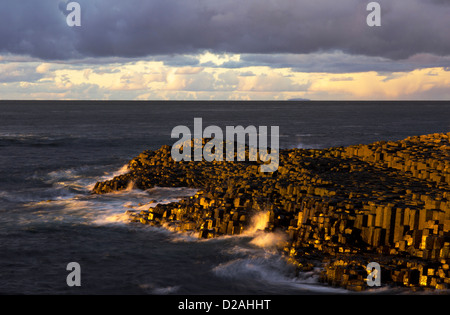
<point x="138" y="28"/>
<point x="338" y="62"/>
<point x="34" y="28"/>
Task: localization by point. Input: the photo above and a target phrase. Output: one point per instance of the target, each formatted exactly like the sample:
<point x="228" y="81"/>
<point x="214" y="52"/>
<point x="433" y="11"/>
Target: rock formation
<point x="341" y="208"/>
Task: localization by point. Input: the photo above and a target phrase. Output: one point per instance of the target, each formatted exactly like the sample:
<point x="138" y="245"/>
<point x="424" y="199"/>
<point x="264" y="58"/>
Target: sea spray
<point x="130" y="186"/>
<point x="261" y="238"/>
<point x="122" y="171"/>
<point x="258" y="222"/>
<point x="138" y="200"/>
<point x="269" y="240"/>
<point x="109" y="176"/>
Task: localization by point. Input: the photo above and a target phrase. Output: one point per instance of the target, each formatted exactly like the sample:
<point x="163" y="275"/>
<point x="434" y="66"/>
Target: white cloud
<point x="189" y="70"/>
<point x="153" y="79"/>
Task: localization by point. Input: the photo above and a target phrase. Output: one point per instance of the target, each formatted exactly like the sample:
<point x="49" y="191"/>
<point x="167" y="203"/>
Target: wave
<point x="255" y="233"/>
<point x="80" y="179"/>
<point x="310" y="135"/>
<point x="271" y="269"/>
<point x="115" y="204"/>
<point x="269" y="240"/>
<point x="258" y="222"/>
<point x="121" y="171"/>
<point x="261" y="238"/>
<point x="25" y="196"/>
<point x="35" y="140"/>
<point x="69" y="197"/>
<point x="255" y="259"/>
<point x="74" y="179"/>
<point x="109" y="175"/>
<point x="157" y="290"/>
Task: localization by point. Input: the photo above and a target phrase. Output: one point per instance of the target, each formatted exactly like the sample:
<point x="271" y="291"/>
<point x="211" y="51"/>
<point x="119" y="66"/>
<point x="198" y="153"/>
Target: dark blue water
<point x="51" y="153"/>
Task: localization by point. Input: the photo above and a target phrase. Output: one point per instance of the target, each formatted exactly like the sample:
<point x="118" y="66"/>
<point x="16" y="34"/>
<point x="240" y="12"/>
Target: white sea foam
<point x="269" y="240"/>
<point x="254" y="257"/>
<point x="71" y="201"/>
<point x="258" y="222"/>
<point x="262" y="267"/>
<point x="255" y="232"/>
<point x="258" y="259"/>
<point x="261" y="238"/>
<point x="136" y="200"/>
<point x="124" y="169"/>
<point x="271" y="269"/>
<point x="112" y="219"/>
<point x="182" y="237"/>
<point x="154" y="289"/>
<point x="121" y="171"/>
<point x="70" y="173"/>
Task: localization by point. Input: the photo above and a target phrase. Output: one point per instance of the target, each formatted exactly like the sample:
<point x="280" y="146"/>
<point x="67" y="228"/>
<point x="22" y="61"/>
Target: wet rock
<point x="339" y="207"/>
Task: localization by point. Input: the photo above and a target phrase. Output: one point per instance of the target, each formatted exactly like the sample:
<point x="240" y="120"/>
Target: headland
<point x="339" y="208"/>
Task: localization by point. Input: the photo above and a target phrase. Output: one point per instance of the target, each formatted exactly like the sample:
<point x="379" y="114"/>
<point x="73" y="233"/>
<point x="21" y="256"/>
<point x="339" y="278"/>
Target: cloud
<point x="246" y="74"/>
<point x="34" y="28"/>
<point x="189" y="70"/>
<point x="138" y="28"/>
<point x="342" y="79"/>
<point x="19" y="72"/>
<point x="417" y="84"/>
<point x="152" y="80"/>
<point x="340" y="62"/>
<point x="43" y="68"/>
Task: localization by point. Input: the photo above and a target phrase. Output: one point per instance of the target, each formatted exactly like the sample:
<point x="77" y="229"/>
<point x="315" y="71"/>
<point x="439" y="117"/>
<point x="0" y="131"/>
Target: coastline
<point x="339" y="208"/>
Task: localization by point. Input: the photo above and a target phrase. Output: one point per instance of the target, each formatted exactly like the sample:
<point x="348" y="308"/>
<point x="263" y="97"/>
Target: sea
<point x="53" y="152"/>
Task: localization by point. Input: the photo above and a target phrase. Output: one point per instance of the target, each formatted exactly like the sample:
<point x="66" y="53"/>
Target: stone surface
<point x="387" y="202"/>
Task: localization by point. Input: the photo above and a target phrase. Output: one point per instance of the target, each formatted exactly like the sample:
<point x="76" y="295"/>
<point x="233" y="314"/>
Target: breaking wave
<point x="269" y="269"/>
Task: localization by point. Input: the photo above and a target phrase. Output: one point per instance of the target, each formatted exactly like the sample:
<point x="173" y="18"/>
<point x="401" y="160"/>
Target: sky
<point x="225" y="50"/>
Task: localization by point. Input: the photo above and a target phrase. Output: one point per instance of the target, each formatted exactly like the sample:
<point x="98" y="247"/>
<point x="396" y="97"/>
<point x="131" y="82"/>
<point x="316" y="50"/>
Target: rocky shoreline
<point x="340" y="208"/>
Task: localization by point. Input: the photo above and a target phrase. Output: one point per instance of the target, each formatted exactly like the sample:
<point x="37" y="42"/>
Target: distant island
<point x="299" y="99"/>
<point x="340" y="208"/>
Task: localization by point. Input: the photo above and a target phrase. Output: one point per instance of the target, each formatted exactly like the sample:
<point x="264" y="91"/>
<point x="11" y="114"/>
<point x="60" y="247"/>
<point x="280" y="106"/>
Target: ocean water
<point x="52" y="153"/>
